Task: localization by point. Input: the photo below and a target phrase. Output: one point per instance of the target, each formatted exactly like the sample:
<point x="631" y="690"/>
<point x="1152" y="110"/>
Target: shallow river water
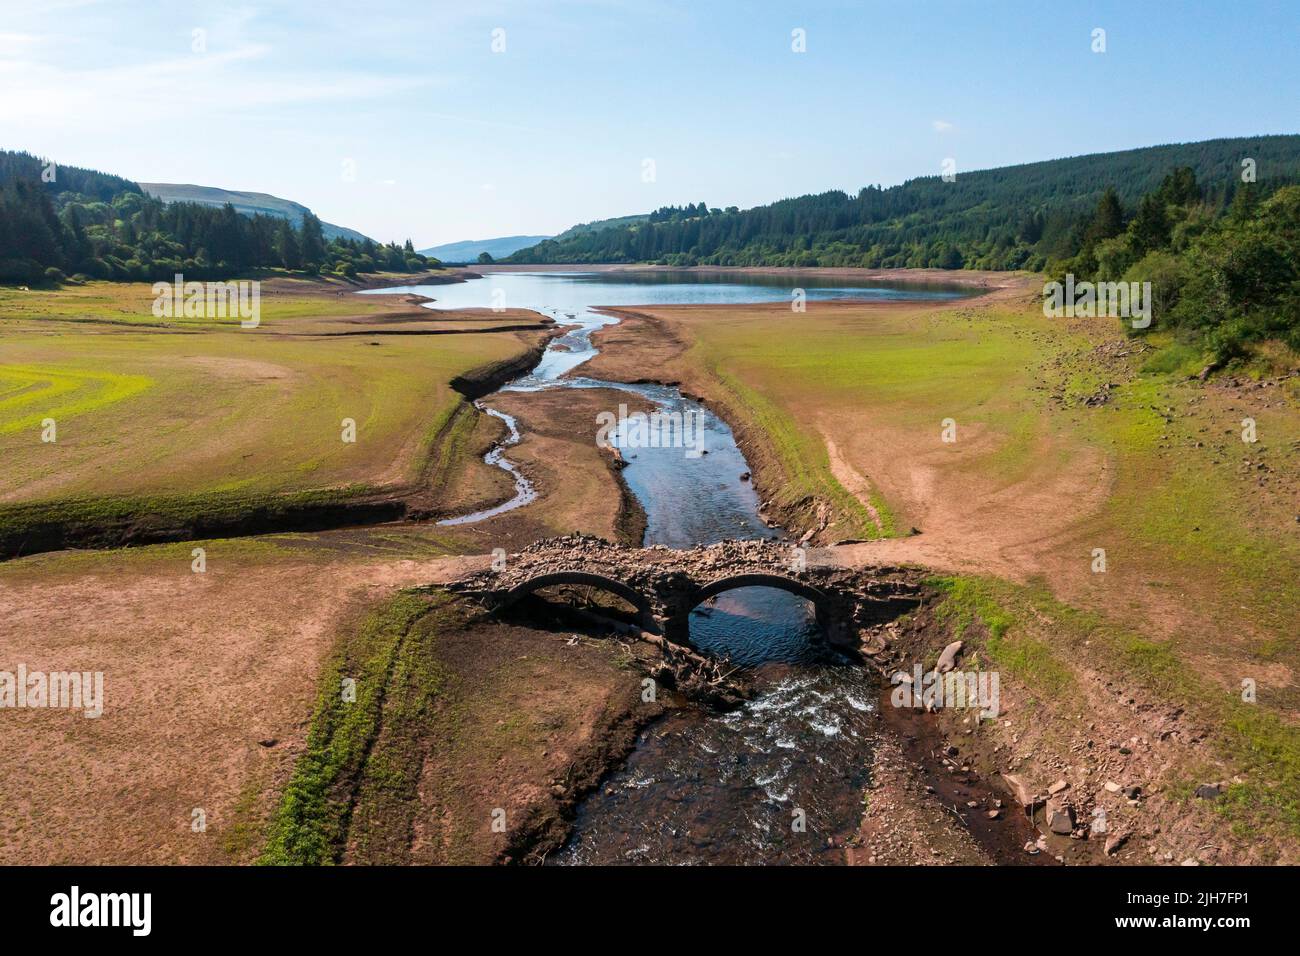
<point x="705" y="788"/>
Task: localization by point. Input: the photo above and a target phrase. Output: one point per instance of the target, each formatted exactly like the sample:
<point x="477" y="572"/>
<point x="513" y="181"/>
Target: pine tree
<point x="313" y="240"/>
<point x="286" y="246"/>
<point x="1107" y="222"/>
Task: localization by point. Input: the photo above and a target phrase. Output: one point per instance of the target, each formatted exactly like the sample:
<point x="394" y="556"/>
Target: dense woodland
<point x="1220" y="277"/>
<point x="77" y="222"/>
<point x="1017" y="217"/>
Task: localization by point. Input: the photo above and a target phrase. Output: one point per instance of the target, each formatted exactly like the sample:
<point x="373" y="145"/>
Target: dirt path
<point x="970" y="521"/>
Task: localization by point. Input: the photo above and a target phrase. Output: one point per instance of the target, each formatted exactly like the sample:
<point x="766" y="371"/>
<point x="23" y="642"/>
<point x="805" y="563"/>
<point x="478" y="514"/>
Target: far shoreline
<point x="965" y="278"/>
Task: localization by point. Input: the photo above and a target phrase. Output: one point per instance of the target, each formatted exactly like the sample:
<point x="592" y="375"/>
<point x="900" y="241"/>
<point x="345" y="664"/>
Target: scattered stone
<point x="1057" y="787"/>
<point x="993" y="814"/>
<point x="948" y="659"/>
<point x="1114" y="842"/>
<point x="1112" y="787"/>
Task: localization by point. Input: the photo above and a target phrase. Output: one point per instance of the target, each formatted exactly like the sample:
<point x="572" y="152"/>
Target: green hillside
<point x="249" y="204"/>
<point x="1008" y="218"/>
<point x="63" y="221"/>
<point x="583" y="228"/>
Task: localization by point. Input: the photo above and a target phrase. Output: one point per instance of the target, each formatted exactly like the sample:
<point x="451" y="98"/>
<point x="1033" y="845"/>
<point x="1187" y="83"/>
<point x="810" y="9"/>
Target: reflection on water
<point x="572" y="298"/>
<point x="754" y="625"/>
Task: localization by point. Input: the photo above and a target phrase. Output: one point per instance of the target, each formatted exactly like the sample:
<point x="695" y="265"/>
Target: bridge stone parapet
<point x="666" y="584"/>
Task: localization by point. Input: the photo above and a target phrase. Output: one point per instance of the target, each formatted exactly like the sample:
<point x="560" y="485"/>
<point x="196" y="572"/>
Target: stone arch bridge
<point x="664" y="585"/>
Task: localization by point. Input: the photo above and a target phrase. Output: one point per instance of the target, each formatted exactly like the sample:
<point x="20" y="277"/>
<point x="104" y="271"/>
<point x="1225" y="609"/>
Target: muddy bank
<point x="577" y="479"/>
<point x="521" y="720"/>
<point x="546" y="824"/>
<point x="487" y="379"/>
<point x="927" y="804"/>
<point x="1068" y="787"/>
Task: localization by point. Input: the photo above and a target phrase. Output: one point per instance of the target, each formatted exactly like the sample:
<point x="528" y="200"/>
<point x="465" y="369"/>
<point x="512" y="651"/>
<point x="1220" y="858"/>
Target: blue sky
<point x="449" y="140"/>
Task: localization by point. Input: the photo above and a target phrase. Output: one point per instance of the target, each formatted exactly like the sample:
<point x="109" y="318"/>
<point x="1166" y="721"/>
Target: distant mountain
<point x="247" y="203"/>
<point x="468" y="250"/>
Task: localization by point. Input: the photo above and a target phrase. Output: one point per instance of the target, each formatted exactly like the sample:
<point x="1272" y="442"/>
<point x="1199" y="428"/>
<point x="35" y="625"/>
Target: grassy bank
<point x="116" y="431"/>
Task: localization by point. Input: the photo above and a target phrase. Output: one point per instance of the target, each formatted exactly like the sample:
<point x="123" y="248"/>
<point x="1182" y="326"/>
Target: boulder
<point x="1020" y="790"/>
<point x="1059" y="818"/>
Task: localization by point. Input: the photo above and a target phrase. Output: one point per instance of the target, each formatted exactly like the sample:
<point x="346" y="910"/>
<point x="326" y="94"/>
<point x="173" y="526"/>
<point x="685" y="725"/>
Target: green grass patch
<point x="804" y="463"/>
<point x="974" y="601"/>
<point x="1177" y="359"/>
<point x="380" y="828"/>
<point x="310" y="826"/>
<point x="60" y="395"/>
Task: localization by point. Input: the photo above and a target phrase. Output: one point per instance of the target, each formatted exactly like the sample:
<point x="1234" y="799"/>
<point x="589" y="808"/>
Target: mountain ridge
<point x="244" y="201"/>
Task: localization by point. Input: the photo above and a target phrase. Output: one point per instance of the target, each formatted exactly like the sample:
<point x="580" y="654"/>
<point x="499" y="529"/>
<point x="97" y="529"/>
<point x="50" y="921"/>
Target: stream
<point x="702" y="787"/>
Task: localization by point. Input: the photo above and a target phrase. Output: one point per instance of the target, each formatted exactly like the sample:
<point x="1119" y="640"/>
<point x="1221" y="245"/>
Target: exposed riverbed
<point x="781" y="778"/>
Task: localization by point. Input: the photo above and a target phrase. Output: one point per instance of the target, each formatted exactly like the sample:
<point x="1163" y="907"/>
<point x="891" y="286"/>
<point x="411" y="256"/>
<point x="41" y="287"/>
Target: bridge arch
<point x="760" y="579"/>
<point x="588" y="578"/>
<point x="829" y="609"/>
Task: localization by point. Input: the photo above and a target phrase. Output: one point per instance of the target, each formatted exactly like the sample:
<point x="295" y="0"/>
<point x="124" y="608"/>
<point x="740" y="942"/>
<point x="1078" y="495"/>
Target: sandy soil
<point x="578" y="485"/>
<point x="209" y="681"/>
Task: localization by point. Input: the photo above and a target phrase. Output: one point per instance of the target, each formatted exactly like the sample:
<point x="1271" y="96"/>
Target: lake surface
<point x="704" y="787"/>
